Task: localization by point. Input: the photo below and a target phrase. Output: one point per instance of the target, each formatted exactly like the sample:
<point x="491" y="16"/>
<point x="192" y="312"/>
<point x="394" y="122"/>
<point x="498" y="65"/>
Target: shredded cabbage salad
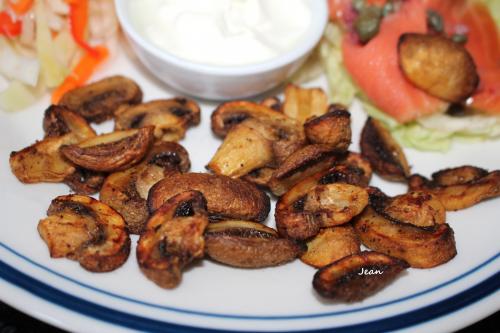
<point x="46" y="45"/>
<point x="436" y="132"/>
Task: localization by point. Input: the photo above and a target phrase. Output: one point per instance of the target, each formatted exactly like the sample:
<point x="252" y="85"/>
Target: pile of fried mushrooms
<point x="296" y="149"/>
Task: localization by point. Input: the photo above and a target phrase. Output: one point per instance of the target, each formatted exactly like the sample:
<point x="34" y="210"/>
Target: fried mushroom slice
<point x="227" y="198"/>
<point x="459" y="188"/>
<point x="420" y="247"/>
<point x="301" y="164"/>
<point x="170" y="117"/>
<point x="335" y="204"/>
<point x="229" y="114"/>
<point x="173" y="239"/>
<point x="383" y="152"/>
<point x="86" y="230"/>
<point x="260" y="177"/>
<point x="418" y="208"/>
<point x="438" y="65"/>
<point x="111" y="152"/>
<point x="302" y="103"/>
<point x="291" y="218"/>
<point x="59" y="120"/>
<point x="245" y="148"/>
<point x="163" y="159"/>
<point x="357" y="276"/>
<point x="85" y="182"/>
<point x="42" y="162"/>
<point x="331" y="244"/>
<point x="332" y="128"/>
<point x="248" y="245"/>
<point x="273" y="102"/>
<point x="286" y="134"/>
<point x="126" y="191"/>
<point x="98" y="101"/>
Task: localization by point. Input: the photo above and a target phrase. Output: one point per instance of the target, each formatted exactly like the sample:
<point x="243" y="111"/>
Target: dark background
<point x="13" y="321"/>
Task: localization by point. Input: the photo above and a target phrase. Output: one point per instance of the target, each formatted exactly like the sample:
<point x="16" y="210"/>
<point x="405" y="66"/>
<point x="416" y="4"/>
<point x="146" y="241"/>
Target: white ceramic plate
<point x="216" y="297"/>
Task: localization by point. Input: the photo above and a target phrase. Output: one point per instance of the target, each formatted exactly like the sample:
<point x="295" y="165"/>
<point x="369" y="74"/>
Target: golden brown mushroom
<point x="438" y="65"/>
<point x="357" y="276"/>
<point x="304" y="103"/>
<point x="292" y="220"/>
<point x="227" y="198"/>
<point x="111" y="152"/>
<point x="99" y="100"/>
<point x="332" y="128"/>
<point x="248" y="244"/>
<point x="170" y="117"/>
<point x="173" y="239"/>
<point x="83" y="229"/>
<point x="420" y="247"/>
<point x="301" y="164"/>
<point x="383" y="152"/>
<point x="331" y="244"/>
<point x="461" y="187"/>
<point x="59" y="120"/>
<point x="127" y="191"/>
<point x="42" y="162"/>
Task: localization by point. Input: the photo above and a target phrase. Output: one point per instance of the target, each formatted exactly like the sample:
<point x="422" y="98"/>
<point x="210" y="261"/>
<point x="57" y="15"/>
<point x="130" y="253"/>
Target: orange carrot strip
<point x="78" y="18"/>
<point x="20" y="7"/>
<point x="82" y="72"/>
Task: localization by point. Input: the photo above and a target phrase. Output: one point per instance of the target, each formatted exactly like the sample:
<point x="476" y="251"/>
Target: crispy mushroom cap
<point x="301" y="164"/>
<point x="86" y="230"/>
<point x="111" y="152"/>
<point x="335" y="204"/>
<point x="85" y="182"/>
<point x="331" y="244"/>
<point x="248" y="146"/>
<point x="227" y="198"/>
<point x="248" y="244"/>
<point x="229" y="114"/>
<point x="273" y="102"/>
<point x="418" y="208"/>
<point x="286" y="134"/>
<point x="59" y="120"/>
<point x="293" y="221"/>
<point x="332" y="128"/>
<point x="420" y="247"/>
<point x="383" y="152"/>
<point x="304" y="103"/>
<point x="438" y="65"/>
<point x="459" y="188"/>
<point x="260" y="177"/>
<point x="127" y="191"/>
<point x="42" y="162"/>
<point x="98" y="101"/>
<point x="173" y="238"/>
<point x="170" y="117"/>
<point x="355" y="277"/>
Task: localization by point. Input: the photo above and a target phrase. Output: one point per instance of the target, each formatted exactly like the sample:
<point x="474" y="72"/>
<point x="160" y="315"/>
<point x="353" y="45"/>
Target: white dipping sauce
<point x="222" y="32"/>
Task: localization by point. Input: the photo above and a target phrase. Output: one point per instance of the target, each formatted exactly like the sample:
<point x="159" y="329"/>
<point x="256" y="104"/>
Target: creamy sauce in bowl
<point x="223" y="32"/>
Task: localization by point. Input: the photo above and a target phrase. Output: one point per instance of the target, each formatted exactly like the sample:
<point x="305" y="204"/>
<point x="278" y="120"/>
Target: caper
<point x="435" y="21"/>
<point x="358" y="5"/>
<point x="367" y="23"/>
<point x="387" y="8"/>
<point x="459" y="38"/>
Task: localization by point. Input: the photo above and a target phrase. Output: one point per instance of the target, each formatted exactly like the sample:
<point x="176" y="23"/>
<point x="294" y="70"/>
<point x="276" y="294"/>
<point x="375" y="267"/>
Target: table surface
<point x="13" y="321"/>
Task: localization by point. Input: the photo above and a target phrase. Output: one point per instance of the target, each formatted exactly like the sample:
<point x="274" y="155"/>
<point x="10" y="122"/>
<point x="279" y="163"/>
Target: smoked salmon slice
<point x="374" y="67"/>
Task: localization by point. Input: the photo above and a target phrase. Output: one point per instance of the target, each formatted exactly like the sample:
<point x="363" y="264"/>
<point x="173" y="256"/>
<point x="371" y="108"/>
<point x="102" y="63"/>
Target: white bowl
<point x="217" y="82"/>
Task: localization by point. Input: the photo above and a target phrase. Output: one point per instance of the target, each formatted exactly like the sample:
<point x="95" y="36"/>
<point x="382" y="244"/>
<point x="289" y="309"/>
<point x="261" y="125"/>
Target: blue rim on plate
<point x="96" y="311"/>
